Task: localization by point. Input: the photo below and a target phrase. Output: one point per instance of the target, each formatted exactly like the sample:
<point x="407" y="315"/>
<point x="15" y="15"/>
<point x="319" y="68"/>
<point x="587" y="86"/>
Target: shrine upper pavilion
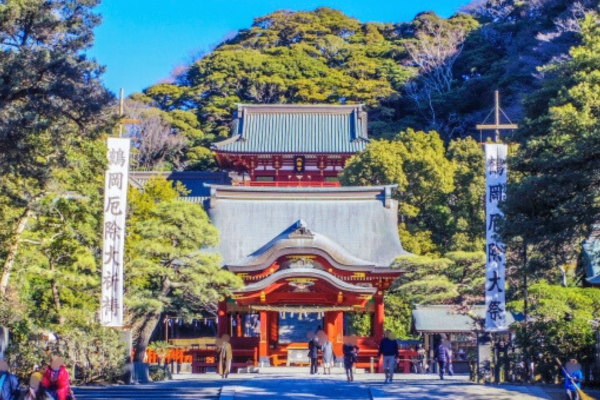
<point x="303" y="245"/>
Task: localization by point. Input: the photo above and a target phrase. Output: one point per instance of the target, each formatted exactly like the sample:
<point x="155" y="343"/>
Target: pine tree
<point x="166" y="270"/>
<point x="552" y="199"/>
<point x="50" y="95"/>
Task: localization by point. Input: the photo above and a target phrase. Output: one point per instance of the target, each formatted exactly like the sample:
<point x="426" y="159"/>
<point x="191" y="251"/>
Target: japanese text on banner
<point x="115" y="203"/>
<point x="496" y="178"/>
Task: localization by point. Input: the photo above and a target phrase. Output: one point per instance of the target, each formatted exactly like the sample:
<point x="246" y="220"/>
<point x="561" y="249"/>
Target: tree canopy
<point x="166" y="271"/>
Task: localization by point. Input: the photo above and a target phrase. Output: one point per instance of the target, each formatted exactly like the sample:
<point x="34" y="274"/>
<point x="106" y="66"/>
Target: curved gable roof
<point x="298" y="238"/>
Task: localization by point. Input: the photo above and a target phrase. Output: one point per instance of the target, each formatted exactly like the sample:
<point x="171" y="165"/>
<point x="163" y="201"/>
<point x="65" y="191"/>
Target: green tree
<point x="467" y="219"/>
<point x="50" y="96"/>
<point x="398" y="315"/>
<point x="455" y="279"/>
<point x="58" y="262"/>
<point x="552" y="199"/>
<point x="424" y="204"/>
<point x="381" y="163"/>
<point x="416" y="162"/>
<point x="321" y="56"/>
<point x="166" y="269"/>
<point x="436" y="46"/>
<point x="559" y="327"/>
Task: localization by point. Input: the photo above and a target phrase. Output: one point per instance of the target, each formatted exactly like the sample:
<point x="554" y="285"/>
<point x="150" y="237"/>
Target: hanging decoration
<point x="300" y="309"/>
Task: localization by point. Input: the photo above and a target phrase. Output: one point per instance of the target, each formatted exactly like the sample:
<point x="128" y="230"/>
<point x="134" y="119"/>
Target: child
<point x="350" y="350"/>
<point x="573" y="378"/>
<point x="36" y="391"/>
<point x="56" y="379"/>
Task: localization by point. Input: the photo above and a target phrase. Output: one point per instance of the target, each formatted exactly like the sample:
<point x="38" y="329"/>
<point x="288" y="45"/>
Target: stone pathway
<point x="456" y="391"/>
<point x="166" y="390"/>
<point x="307" y="387"/>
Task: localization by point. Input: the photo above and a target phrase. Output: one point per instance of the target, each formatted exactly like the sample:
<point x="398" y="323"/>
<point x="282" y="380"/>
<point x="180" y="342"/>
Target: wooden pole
<point x="497" y="126"/>
<point x="497" y="111"/>
<point x="121" y="110"/>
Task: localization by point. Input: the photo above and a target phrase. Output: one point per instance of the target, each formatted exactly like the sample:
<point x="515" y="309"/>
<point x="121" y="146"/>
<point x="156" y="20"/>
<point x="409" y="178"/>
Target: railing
<point x="292" y="183"/>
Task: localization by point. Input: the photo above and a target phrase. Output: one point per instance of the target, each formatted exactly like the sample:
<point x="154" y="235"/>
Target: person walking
<point x="450" y="367"/>
<point x="350" y="350"/>
<point x="328" y="354"/>
<point x="225" y="356"/>
<point x="573" y="377"/>
<point x="421" y="362"/>
<point x="36" y="391"/>
<point x="9" y="384"/>
<point x="56" y="379"/>
<point x="442" y="357"/>
<point x="313" y="352"/>
<point x="388" y="348"/>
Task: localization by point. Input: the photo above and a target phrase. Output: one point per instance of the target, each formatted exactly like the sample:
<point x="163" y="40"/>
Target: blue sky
<point x="141" y="41"/>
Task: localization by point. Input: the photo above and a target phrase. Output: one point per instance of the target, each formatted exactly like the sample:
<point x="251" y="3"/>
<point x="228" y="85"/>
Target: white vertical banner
<point x="495" y="271"/>
<point x="115" y="207"/>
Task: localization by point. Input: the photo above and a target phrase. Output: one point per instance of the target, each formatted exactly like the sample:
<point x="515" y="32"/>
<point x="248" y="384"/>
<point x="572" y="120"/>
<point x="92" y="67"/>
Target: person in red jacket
<point x="56" y="379"/>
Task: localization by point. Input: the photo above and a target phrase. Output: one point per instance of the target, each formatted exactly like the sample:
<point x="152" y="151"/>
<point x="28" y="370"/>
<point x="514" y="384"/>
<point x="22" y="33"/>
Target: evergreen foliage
<point x="166" y="273"/>
<point x="51" y="101"/>
<point x="417" y="163"/>
<point x="455" y="279"/>
<point x="559" y="327"/>
<point x="552" y="200"/>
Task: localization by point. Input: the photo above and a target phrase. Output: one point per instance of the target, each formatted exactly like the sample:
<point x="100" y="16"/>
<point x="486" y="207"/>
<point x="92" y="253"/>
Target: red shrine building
<point x="282" y="145"/>
<point x="310" y="252"/>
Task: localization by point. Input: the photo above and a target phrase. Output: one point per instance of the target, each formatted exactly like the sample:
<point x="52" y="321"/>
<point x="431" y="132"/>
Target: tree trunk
<point x="526" y="311"/>
<point x="563" y="271"/>
<point x="56" y="297"/>
<point x="144" y="335"/>
<point x="14" y="247"/>
<point x="525" y="285"/>
<point x="149" y="325"/>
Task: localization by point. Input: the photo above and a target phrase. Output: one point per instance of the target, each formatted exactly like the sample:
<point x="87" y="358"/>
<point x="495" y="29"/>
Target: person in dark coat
<point x="442" y="357"/>
<point x="388" y="348"/>
<point x="350" y="350"/>
<point x="9" y="384"/>
<point x="313" y="352"/>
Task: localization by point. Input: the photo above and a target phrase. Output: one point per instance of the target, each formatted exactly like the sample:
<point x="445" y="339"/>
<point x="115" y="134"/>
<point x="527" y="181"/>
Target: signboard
<point x="299" y="162"/>
<point x="115" y="206"/>
<point x="495" y="193"/>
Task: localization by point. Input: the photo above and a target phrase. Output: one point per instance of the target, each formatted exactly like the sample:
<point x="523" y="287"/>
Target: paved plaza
<point x="306" y="387"/>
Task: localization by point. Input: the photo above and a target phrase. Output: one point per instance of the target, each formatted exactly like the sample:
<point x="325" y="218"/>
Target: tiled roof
<point x="363" y="220"/>
<point x="297" y="129"/>
<point x="306" y="240"/>
<point x="445" y="319"/>
<point x="193" y="181"/>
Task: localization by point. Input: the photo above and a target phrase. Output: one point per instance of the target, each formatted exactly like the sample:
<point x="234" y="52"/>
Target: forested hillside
<point x="428" y="74"/>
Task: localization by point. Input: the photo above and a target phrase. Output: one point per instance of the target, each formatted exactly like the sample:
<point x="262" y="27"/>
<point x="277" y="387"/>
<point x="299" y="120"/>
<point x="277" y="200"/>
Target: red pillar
<point x="338" y="342"/>
<point x="222" y="319"/>
<point x="334" y="327"/>
<point x="378" y="318"/>
<point x="273" y="327"/>
<point x="263" y="345"/>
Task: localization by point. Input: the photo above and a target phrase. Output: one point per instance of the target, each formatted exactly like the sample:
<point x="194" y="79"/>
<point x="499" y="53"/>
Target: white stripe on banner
<point x="496" y="171"/>
<point x="115" y="208"/>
